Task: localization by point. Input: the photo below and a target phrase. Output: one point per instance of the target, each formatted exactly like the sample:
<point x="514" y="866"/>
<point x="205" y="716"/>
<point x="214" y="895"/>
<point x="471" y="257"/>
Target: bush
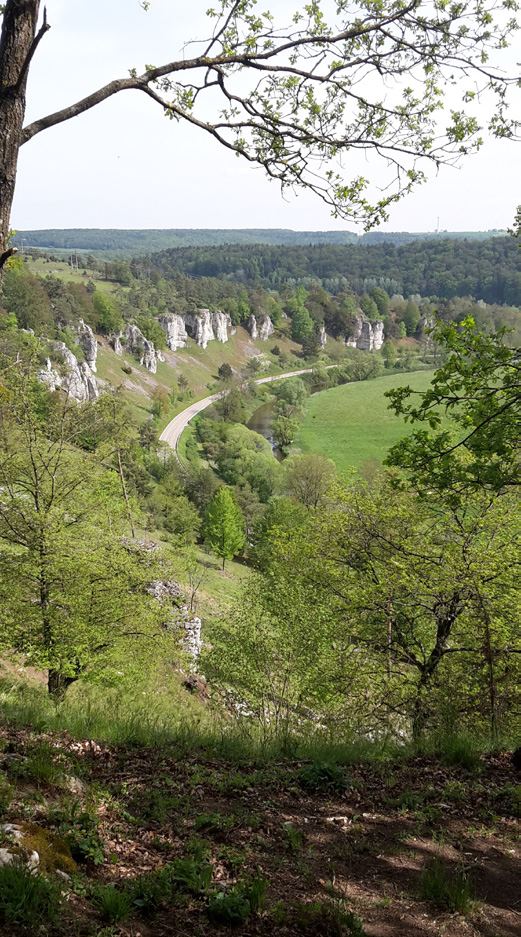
<point x="236" y="905"/>
<point x="26" y="898"/>
<point x="323" y="776"/>
<point x="327" y="919"/>
<point x="458" y="750"/>
<point x="113" y="905"/>
<point x="448" y="888"/>
<point x="79" y="828"/>
<point x="6" y="795"/>
<point x="150" y="892"/>
<point x="191" y="875"/>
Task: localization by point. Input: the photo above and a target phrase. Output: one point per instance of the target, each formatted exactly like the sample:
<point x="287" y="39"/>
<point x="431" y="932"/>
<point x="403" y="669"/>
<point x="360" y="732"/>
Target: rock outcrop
<point x="322" y="337"/>
<point x="141" y="348"/>
<point x="173" y="326"/>
<point x="88" y="344"/>
<point x="179" y="616"/>
<point x="205" y="326"/>
<point x="266" y="328"/>
<point x="115" y="341"/>
<point x="367" y="336"/>
<point x="74" y="378"/>
<point x="261" y="328"/>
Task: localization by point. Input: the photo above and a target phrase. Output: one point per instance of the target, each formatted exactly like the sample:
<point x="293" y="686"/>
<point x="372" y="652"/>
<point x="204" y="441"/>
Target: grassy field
<point x="352" y="425"/>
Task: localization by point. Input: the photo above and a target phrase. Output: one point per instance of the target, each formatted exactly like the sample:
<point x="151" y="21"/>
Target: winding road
<point x="173" y="430"/>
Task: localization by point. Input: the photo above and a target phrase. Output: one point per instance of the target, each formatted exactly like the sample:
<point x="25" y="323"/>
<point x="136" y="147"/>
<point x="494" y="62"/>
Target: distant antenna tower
<point x="438" y="225"/>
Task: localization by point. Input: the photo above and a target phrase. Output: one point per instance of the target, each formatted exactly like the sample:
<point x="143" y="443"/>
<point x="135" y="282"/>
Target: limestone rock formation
<point x="367" y="336"/>
<point x="173" y="326"/>
<point x="141" y="348"/>
<point x="88" y="344"/>
<point x="261" y="328"/>
<point x="179" y="615"/>
<point x="266" y="328"/>
<point x="115" y="341"/>
<point x="221" y="322"/>
<point x="75" y="378"/>
<point x="322" y="337"/>
<point x="205" y="326"/>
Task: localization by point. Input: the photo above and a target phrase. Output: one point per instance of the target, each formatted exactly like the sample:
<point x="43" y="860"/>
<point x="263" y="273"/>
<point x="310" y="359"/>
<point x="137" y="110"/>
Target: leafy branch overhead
<point x="400" y="81"/>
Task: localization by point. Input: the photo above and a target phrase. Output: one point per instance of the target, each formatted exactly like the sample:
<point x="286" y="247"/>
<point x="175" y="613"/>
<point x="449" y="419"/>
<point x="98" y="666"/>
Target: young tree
<point x="71" y="590"/>
<point x="224" y="526"/>
<point x="303" y="92"/>
<point x="225" y="372"/>
<point x="309" y="478"/>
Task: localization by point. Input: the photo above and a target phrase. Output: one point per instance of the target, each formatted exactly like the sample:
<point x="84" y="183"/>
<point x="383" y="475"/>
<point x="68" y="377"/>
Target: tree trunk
<point x="58" y="684"/>
<point x="16" y="46"/>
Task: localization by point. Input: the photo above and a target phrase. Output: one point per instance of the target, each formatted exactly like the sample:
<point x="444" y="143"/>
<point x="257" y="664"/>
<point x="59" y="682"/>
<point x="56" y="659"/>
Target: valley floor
<point x="328" y="842"/>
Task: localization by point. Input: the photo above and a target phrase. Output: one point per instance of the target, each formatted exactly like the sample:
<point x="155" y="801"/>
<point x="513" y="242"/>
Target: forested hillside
<point x="489" y="270"/>
<point x="127" y="243"/>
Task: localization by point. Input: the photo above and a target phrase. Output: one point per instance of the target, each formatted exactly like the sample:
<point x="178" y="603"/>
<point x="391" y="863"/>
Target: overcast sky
<point x="124" y="165"/>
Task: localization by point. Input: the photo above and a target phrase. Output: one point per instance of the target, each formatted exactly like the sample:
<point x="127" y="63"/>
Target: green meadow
<point x="352" y="424"/>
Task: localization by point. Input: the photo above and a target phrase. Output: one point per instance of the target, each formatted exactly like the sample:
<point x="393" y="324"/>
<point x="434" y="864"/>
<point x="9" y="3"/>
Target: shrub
<point x="26" y="898"/>
<point x="191" y="875"/>
<point x="152" y="891"/>
<point x="322" y="776"/>
<point x="457" y="751"/>
<point x="448" y="888"/>
<point x="509" y="799"/>
<point x="154" y="806"/>
<point x="113" y="905"/>
<point x="328" y="919"/>
<point x="80" y="830"/>
<point x="6" y="795"/>
<point x="214" y="823"/>
<point x="236" y="905"/>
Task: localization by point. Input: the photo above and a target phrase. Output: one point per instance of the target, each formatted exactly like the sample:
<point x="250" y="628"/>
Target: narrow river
<point x="261" y="422"/>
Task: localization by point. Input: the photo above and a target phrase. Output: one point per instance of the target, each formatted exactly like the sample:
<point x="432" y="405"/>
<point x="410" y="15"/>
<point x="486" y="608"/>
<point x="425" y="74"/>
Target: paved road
<point x="172" y="432"/>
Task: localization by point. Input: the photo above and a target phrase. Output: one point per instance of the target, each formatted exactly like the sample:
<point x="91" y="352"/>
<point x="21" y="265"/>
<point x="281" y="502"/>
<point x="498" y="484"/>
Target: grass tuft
<point x="27" y="899"/>
<point x="447" y="887"/>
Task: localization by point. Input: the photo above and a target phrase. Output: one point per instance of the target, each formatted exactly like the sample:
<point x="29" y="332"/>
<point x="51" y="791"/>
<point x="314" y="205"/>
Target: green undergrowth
<point x="186" y="726"/>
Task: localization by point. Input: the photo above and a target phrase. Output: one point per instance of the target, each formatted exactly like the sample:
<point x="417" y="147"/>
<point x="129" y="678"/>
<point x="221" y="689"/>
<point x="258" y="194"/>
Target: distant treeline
<point x="143" y="241"/>
<point x="488" y="269"/>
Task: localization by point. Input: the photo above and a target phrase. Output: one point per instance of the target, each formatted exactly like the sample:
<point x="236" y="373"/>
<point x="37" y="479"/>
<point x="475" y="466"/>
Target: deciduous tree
<point x="299" y="94"/>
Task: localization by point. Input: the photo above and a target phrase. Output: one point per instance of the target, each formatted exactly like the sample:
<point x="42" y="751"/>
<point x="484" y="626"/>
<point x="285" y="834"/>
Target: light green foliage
<point x="284" y="430"/>
<point x="301" y="321"/>
<point x="308" y="478"/>
<point x="384" y="597"/>
<point x="368" y="306"/>
<point x="478" y="387"/>
<point x="411" y="317"/>
<point x="71" y="588"/>
<point x="224" y="525"/>
<point x="108" y="314"/>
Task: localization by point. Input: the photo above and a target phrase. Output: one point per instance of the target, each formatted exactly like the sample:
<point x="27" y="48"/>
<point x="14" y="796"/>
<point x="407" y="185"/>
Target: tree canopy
<point x="297" y="94"/>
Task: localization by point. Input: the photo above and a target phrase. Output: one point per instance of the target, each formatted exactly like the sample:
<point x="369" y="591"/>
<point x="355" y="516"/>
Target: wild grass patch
<point x="447" y="887"/>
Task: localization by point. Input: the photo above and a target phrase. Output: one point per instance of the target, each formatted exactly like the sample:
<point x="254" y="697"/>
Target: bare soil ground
<point x="357" y="841"/>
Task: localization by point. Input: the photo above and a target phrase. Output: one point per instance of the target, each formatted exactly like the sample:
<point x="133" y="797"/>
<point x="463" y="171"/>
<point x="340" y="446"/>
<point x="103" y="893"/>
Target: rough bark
<point x="17" y="45"/>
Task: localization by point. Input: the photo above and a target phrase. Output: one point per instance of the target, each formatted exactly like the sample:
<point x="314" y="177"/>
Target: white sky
<point x="124" y="165"/>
